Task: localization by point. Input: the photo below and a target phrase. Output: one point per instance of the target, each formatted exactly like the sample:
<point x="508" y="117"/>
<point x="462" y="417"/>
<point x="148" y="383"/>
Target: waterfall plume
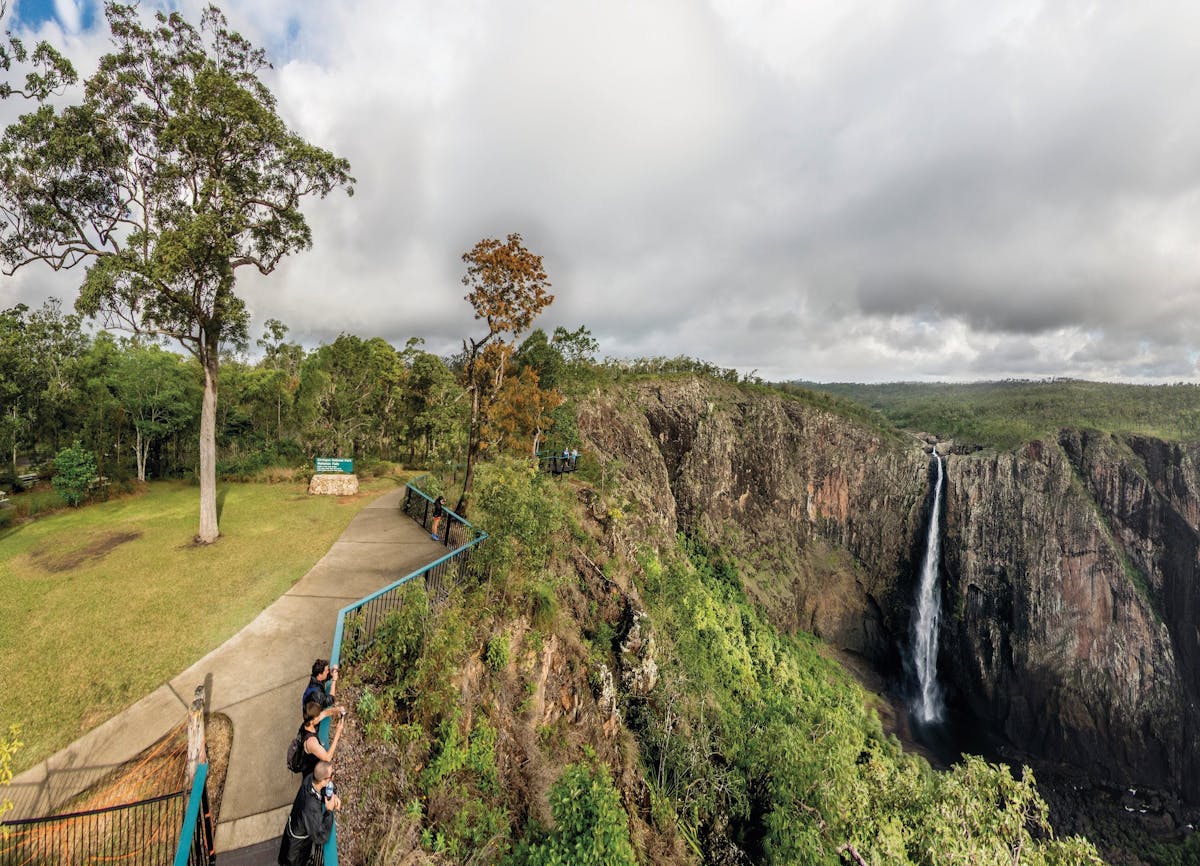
<point x="928" y="705"/>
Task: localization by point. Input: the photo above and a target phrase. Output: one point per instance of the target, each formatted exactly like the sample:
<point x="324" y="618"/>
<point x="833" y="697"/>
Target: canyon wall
<point x="1071" y="621"/>
<point x="1072" y="606"/>
<point x="822" y="514"/>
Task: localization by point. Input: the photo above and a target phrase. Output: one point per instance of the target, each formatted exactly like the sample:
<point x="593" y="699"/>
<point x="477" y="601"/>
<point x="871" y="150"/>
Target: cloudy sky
<point x="820" y="190"/>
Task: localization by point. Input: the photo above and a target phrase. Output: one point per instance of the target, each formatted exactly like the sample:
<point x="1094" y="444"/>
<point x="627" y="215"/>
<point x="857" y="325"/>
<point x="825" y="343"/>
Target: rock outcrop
<point x="824" y="512"/>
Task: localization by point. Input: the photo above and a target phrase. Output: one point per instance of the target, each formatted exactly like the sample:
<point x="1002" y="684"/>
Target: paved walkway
<point x="256" y="678"/>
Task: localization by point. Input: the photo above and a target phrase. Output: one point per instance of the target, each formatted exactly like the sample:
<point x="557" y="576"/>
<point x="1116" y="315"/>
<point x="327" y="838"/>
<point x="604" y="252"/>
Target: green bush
<point x="401" y="634"/>
<point x="74" y="472"/>
<point x="804" y="767"/>
<point x="496" y="655"/>
<point x="590" y="825"/>
<point x="522" y="520"/>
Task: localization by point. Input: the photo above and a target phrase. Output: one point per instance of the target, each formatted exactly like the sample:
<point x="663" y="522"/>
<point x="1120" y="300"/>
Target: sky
<point x="869" y="191"/>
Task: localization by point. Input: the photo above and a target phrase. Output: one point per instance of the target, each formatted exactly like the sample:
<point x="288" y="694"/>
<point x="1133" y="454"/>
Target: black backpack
<point x="296" y="753"/>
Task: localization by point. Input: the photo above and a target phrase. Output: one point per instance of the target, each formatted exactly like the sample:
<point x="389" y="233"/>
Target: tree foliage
<point x="74" y="473"/>
<point x="155" y="389"/>
<point x="46" y="71"/>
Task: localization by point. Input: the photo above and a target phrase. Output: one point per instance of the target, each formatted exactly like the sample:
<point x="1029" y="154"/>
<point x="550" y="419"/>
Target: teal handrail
<point x="187" y="833"/>
<point x="476" y="536"/>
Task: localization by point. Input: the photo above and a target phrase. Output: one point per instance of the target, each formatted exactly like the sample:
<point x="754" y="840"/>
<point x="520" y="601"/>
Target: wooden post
<point x="197" y="752"/>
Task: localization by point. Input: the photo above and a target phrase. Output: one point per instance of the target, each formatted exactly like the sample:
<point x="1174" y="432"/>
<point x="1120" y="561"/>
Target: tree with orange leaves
<point x="521" y="413"/>
<point x="507" y="286"/>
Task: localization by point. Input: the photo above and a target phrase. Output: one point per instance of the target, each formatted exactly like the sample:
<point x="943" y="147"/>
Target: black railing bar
<point x="67" y="816"/>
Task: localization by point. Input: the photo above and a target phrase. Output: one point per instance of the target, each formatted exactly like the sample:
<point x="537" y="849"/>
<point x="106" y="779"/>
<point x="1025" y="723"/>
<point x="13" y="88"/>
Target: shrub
<point x="74" y="472"/>
<point x="496" y="656"/>
<point x="518" y="515"/>
<point x="590" y="826"/>
<point x="8" y="747"/>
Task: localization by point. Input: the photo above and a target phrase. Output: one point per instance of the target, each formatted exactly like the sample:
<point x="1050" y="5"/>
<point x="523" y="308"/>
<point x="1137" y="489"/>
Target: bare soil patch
<point x="55" y="562"/>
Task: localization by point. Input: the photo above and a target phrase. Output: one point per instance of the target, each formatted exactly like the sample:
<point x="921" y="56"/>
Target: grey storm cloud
<point x="821" y="190"/>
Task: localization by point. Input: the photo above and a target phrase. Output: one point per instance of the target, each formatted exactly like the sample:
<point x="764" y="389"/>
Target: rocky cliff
<point x="1073" y="593"/>
<point x="822" y="511"/>
<point x="1072" y="612"/>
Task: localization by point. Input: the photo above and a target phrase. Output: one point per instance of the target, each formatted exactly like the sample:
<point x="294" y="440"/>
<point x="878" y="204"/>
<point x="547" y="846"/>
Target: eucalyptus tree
<point x="282" y="359"/>
<point x="350" y="395"/>
<point x="173" y="174"/>
<point x="17" y="375"/>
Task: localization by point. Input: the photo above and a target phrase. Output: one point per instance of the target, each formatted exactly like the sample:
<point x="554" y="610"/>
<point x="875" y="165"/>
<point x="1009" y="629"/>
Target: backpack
<point x="296" y="753"/>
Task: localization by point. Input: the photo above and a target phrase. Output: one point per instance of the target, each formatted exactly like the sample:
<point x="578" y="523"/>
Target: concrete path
<point x="256" y="678"/>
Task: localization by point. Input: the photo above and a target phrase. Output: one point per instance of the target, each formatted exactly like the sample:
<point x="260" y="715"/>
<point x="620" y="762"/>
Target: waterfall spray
<point x="928" y="705"/>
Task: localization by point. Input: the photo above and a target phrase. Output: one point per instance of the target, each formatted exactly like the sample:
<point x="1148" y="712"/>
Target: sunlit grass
<point x="105" y="603"/>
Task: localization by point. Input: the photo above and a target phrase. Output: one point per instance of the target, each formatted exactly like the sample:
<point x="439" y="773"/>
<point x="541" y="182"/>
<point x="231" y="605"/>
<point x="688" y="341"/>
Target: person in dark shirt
<point x="439" y="511"/>
<point x="315" y="690"/>
<point x="310" y="743"/>
<point x="311" y="819"/>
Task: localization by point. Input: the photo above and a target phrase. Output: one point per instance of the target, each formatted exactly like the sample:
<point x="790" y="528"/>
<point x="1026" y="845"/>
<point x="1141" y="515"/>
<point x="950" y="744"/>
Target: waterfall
<point x="927" y="705"/>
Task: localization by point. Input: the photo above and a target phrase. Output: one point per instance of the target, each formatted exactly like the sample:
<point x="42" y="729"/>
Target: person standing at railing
<point x="311" y="820"/>
<point x="314" y="752"/>
<point x="322" y="675"/>
<point x="439" y="511"/>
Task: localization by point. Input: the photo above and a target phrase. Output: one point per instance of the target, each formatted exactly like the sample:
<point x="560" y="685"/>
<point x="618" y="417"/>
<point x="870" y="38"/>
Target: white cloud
<point x="865" y="189"/>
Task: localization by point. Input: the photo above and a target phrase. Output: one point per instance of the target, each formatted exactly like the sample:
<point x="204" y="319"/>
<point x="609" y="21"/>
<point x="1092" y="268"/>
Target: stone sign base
<point x="333" y="485"/>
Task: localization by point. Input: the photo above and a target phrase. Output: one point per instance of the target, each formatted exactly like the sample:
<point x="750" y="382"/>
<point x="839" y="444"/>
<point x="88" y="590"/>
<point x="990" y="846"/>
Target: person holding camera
<point x="313" y="750"/>
<point x="322" y="674"/>
<point x="311" y="819"/>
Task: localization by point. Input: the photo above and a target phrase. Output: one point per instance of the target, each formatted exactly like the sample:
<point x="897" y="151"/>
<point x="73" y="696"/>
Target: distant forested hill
<point x="1004" y="414"/>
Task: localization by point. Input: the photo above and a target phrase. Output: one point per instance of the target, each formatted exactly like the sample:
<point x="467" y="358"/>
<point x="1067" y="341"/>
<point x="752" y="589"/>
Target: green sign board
<point x="336" y="465"/>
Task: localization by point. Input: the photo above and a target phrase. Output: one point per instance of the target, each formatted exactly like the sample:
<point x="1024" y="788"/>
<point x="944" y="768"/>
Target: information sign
<point x="337" y="465"/>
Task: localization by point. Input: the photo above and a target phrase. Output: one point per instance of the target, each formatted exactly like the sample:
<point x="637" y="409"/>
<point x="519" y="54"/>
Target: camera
<point x="330" y="790"/>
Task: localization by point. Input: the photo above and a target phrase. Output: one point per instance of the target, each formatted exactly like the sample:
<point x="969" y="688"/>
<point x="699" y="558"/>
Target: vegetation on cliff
<point x="518" y="723"/>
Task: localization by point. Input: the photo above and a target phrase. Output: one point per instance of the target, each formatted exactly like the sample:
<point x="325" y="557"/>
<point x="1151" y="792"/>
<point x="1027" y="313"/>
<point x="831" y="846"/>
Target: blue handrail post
<point x="187" y="833"/>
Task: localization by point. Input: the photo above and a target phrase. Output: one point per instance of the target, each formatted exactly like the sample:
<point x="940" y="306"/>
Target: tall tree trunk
<point x="473" y="435"/>
<point x="208" y="449"/>
<point x="140" y="448"/>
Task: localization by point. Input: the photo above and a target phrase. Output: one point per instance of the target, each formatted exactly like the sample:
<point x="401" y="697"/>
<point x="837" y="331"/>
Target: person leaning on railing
<point x="311" y="820"/>
<point x="314" y="752"/>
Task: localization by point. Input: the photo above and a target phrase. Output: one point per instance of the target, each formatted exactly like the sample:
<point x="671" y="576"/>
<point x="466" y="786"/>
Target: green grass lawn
<point x="105" y="603"/>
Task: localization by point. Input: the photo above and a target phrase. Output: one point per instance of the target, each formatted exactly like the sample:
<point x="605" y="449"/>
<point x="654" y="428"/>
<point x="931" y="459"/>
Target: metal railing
<point x="145" y="833"/>
<point x="558" y="462"/>
<point x="369" y="612"/>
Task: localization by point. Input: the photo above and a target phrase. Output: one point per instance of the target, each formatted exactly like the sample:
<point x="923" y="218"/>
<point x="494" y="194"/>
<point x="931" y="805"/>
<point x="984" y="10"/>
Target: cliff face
<point x="1071" y="620"/>
<point x="824" y="511"/>
<point x="1073" y="600"/>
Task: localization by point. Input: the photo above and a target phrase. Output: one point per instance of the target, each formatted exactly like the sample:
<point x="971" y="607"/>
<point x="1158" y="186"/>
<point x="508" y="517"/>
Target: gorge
<point x="1070" y="631"/>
